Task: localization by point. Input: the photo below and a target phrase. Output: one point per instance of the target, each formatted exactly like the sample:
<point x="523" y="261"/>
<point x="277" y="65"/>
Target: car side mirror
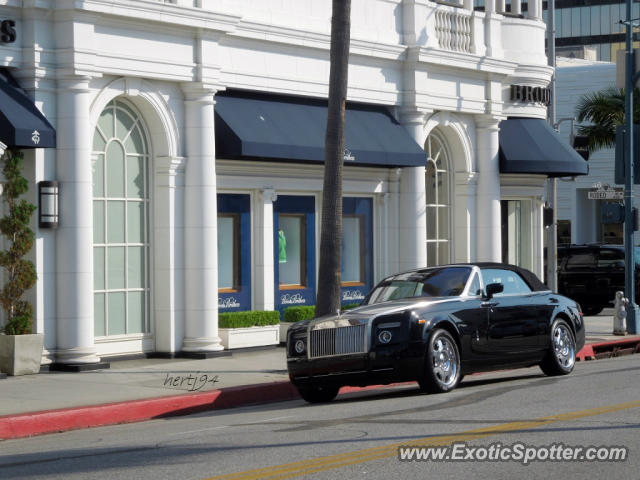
<point x="492" y="289"/>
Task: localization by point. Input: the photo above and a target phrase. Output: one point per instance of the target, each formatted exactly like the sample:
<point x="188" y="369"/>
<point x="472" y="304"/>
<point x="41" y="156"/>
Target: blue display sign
<point x="357" y="249"/>
<point x="234" y="252"/>
<point x="294" y="251"/>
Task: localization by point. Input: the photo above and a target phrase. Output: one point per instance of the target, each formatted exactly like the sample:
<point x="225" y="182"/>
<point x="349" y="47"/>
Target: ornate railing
<point x="453" y="30"/>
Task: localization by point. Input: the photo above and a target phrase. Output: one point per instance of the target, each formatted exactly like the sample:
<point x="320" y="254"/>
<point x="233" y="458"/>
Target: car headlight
<point x="299" y="346"/>
<point x="385" y="336"/>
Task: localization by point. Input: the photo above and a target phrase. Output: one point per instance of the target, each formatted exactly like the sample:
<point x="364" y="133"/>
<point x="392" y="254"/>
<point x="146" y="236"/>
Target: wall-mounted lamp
<point x="48" y="204"/>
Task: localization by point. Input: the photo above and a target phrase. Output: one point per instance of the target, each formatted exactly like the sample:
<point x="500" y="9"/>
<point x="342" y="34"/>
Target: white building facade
<point x="176" y="205"/>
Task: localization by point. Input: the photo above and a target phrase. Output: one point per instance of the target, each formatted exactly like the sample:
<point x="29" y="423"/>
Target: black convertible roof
<point x="532" y="280"/>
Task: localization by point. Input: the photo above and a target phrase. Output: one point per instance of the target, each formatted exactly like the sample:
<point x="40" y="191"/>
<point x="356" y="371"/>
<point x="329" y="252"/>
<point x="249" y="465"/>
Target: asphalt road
<point x="357" y="436"/>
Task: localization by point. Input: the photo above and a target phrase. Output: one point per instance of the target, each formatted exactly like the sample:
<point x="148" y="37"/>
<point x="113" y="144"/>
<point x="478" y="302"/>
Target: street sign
<point x="604" y="191"/>
<point x="607" y="195"/>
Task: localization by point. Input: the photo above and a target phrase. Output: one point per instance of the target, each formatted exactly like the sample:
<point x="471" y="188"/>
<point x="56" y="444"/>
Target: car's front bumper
<point x="383" y="365"/>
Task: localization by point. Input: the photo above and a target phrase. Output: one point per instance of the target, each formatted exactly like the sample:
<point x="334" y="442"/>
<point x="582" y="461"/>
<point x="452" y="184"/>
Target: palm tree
<point x="604" y="110"/>
<point x="328" y="299"/>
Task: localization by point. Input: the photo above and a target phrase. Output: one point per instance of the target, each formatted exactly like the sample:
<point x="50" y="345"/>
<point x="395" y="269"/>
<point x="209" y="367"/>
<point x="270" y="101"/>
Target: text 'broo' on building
<point x="186" y="138"/>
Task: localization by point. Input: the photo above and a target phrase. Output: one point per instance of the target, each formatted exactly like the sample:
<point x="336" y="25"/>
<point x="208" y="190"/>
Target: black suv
<point x="592" y="274"/>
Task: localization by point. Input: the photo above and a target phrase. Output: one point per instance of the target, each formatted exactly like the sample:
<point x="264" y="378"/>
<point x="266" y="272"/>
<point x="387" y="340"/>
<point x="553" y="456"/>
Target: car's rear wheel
<point x="561" y="356"/>
<point x="591" y="309"/>
<point x="318" y="393"/>
<point x="442" y="371"/>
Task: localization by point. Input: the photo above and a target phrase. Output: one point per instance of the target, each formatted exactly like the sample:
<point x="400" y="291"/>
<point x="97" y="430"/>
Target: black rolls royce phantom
<point x="435" y="325"/>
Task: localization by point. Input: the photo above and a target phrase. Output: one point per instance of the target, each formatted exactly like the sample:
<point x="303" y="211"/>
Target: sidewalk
<point x="136" y="390"/>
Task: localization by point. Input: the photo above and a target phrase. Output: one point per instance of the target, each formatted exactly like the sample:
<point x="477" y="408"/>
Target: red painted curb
<point x="586" y="353"/>
<point x="589" y="351"/>
<point x="49" y="421"/>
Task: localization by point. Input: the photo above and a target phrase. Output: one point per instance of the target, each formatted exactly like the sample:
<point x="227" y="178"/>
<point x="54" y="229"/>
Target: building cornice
<point x="280" y="34"/>
<point x="152" y="11"/>
<point x="466" y="61"/>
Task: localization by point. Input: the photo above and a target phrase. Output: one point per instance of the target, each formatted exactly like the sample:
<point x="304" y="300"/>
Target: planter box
<point x="21" y="354"/>
<point x="249" y="337"/>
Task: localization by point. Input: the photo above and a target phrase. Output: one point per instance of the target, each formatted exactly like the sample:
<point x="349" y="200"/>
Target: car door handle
<point x="489" y="304"/>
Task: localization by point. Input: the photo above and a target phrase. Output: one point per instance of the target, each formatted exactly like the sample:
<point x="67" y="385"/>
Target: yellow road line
<point x="305" y="467"/>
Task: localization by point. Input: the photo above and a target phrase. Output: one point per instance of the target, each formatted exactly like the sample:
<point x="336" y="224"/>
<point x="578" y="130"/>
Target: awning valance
<point x="530" y="145"/>
<point x="269" y="127"/>
<point x="22" y="125"/>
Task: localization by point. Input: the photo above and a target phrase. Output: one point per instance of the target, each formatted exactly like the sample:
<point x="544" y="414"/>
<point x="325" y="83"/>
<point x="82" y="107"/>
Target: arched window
<point x="120" y="222"/>
<point x="438" y="201"/>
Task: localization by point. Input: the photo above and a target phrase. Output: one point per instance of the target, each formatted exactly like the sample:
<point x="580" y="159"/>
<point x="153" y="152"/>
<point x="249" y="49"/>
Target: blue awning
<point x="268" y="127"/>
<point x="22" y="125"/>
<point x="530" y="145"/>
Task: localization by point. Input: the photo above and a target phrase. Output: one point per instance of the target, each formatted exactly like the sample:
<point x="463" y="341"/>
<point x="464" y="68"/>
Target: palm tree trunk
<point x="328" y="298"/>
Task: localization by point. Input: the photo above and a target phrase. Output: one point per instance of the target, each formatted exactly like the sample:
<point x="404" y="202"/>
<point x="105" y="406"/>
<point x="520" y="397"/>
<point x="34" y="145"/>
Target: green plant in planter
<point x="304" y="312"/>
<point x="254" y="318"/>
<point x="299" y="313"/>
<point x="21" y="273"/>
<point x="349" y="306"/>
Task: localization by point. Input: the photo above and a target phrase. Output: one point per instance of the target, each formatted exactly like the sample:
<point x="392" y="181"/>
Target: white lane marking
<point x="272" y="419"/>
<point x="201" y="430"/>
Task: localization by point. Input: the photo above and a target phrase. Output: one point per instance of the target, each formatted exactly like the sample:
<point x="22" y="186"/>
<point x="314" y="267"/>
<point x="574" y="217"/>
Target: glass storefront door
<point x="517" y="232"/>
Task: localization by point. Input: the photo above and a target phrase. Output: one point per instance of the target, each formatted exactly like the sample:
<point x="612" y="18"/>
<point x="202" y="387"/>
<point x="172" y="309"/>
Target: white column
<point x="535" y="9"/>
<point x="200" y="230"/>
<point x="412" y="221"/>
<point x="467" y="5"/>
<point x="74" y="242"/>
<point x="40" y="164"/>
<point x="168" y="252"/>
<point x="493" y="28"/>
<point x="3" y="147"/>
<point x="264" y="248"/>
<point x="488" y="234"/>
<point x="516" y="7"/>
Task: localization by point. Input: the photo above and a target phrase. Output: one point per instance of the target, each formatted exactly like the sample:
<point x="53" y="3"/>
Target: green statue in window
<point x="282" y="247"/>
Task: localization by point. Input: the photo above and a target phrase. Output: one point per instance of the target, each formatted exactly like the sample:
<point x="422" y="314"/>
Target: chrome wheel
<point x="564" y="346"/>
<point x="445" y="362"/>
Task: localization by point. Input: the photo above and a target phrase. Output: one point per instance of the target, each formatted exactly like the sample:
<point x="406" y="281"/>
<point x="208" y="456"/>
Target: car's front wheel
<point x="561" y="356"/>
<point x="318" y="393"/>
<point x="442" y="371"/>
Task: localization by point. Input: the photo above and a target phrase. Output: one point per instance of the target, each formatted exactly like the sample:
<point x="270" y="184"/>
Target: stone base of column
<point x="75" y="367"/>
<point x="75" y="360"/>
<point x="202" y="345"/>
<point x="204" y="355"/>
<point x="76" y="356"/>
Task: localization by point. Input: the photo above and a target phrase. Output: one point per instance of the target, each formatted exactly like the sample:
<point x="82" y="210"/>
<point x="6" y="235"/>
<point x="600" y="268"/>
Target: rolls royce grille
<point x="326" y="342"/>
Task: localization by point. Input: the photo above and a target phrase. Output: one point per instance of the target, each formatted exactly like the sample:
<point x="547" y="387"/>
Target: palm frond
<point x="603" y="111"/>
<point x="601" y="106"/>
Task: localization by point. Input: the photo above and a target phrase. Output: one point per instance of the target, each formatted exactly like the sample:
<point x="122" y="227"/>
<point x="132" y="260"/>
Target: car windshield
<point x="438" y="282"/>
